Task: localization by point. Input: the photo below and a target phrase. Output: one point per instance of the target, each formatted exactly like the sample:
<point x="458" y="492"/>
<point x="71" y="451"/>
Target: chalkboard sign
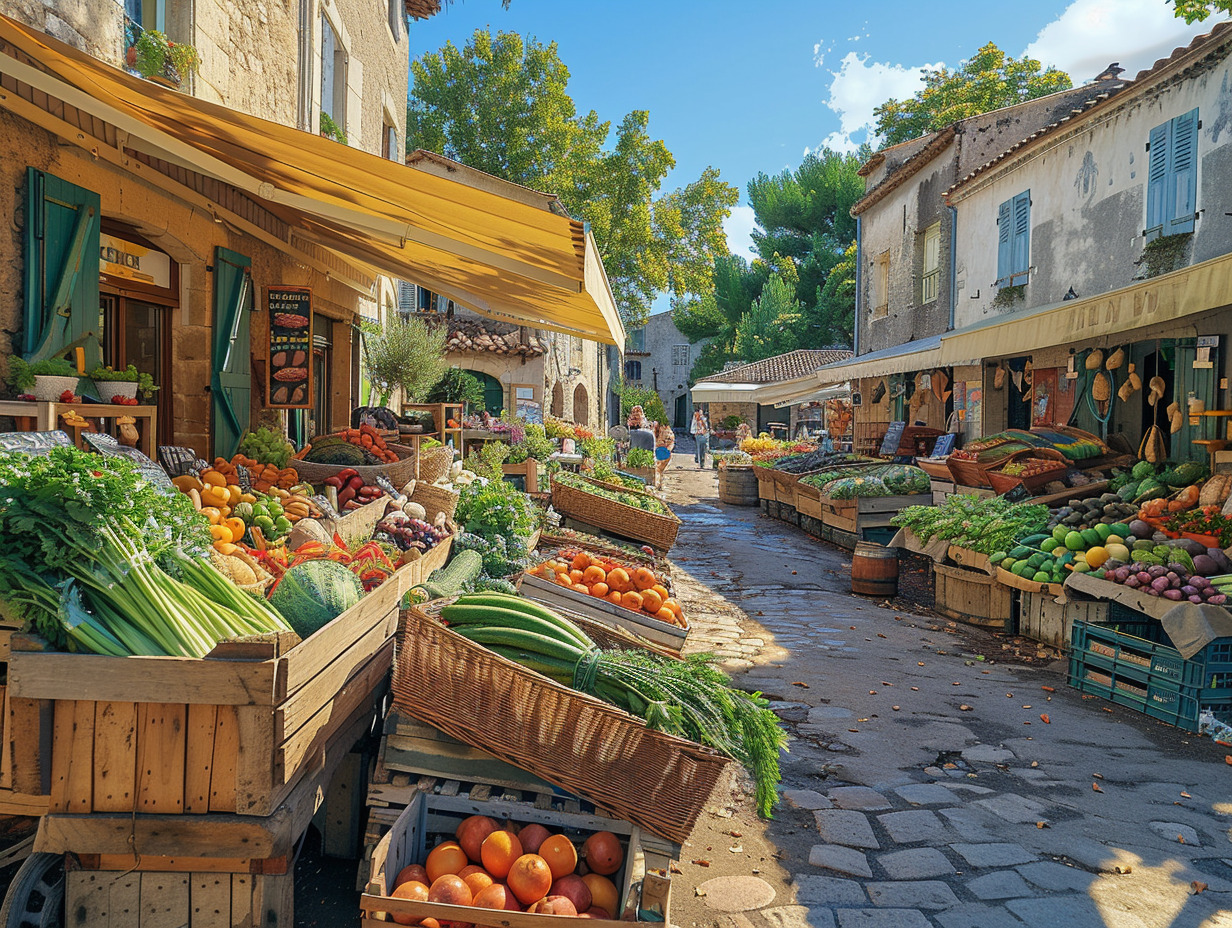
<point x="290" y="352"/>
<point x="944" y="445"/>
<point x="893" y="436"/>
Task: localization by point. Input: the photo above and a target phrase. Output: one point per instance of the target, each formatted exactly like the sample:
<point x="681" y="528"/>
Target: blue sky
<point x="751" y="87"/>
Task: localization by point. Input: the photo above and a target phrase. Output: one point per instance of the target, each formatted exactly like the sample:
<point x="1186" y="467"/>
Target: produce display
<point x="314" y="593"/>
<point x="810" y="461"/>
<point x="96" y="558"/>
<point x="266" y="446"/>
<point x="1208" y="521"/>
<point x="872" y="479"/>
<point x="237" y="516"/>
<point x="352" y="447"/>
<point x="982" y="525"/>
<point x="642" y="501"/>
<point x="517" y="867"/>
<point x="353" y="490"/>
<point x="635" y="588"/>
<point x="406" y="533"/>
<point x="1172" y="582"/>
<point x="371" y="562"/>
<point x="1030" y="467"/>
<point x="689" y="698"/>
<point x="729" y="458"/>
<point x="639" y="457"/>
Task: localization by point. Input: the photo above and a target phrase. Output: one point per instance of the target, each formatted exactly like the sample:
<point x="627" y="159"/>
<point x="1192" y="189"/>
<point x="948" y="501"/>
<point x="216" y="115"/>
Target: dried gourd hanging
<point x="1115" y="360"/>
<point x="1101" y="392"/>
<point x="1134" y="378"/>
<point x="1095" y="360"/>
<point x="998" y="379"/>
<point x="1153" y="448"/>
<point x="1176" y="421"/>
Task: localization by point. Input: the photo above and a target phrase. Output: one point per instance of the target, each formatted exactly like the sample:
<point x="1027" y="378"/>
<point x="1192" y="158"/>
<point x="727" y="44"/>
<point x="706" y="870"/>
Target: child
<point x="665" y="441"/>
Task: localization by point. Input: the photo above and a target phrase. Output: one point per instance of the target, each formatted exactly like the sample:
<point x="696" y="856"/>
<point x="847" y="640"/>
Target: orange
<point x="413" y="890"/>
<point x="643" y="578"/>
<point x="470" y="834"/>
<point x="530" y="878"/>
<point x="661" y="590"/>
<point x="674" y="606"/>
<point x="603" y="892"/>
<point x="652" y="602"/>
<point x="563" y="579"/>
<point x="411" y="872"/>
<point x="444" y="859"/>
<point x="631" y="600"/>
<point x="575" y="575"/>
<point x="593" y="574"/>
<point x="581" y="561"/>
<point x="599" y="590"/>
<point x="618" y="579"/>
<point x="614" y="596"/>
<point x="666" y="615"/>
<point x="560" y="854"/>
<point x="478" y="881"/>
<point x="499" y="851"/>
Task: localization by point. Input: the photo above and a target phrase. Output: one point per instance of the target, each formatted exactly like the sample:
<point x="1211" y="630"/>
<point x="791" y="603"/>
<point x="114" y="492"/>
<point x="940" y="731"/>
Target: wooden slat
<point x="480" y="792"/>
<point x="273" y="901"/>
<point x="65" y="767"/>
<point x="450" y="788"/>
<point x="6" y="752"/>
<point x="242" y="899"/>
<point x="223" y="762"/>
<point x="164" y="900"/>
<point x="255" y="776"/>
<point x="115" y="756"/>
<point x="12" y="803"/>
<point x="81" y="772"/>
<point x="107" y="900"/>
<point x="161" y="739"/>
<point x="149" y="863"/>
<point x="220" y="835"/>
<point x="52" y="675"/>
<point x="199" y="758"/>
<point x="490" y="918"/>
<point x="210" y="900"/>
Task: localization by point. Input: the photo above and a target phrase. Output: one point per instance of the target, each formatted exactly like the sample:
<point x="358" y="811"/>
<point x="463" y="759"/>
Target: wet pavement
<point x="930" y="783"/>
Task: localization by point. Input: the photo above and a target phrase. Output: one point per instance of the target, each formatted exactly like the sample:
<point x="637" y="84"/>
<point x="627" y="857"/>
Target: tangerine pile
<point x="514" y="869"/>
<point x="635" y="588"/>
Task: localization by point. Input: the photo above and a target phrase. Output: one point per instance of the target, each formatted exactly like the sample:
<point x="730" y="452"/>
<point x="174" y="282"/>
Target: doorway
<point x="134" y="330"/>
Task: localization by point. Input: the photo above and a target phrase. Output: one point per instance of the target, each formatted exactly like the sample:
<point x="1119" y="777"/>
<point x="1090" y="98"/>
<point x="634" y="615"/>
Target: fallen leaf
<point x="675" y="867"/>
<point x="1227" y="759"/>
<point x="736" y="849"/>
<point x="985" y="671"/>
<point x="702" y="863"/>
<point x="915" y="689"/>
<point x="1027" y="706"/>
<point x="1185" y="795"/>
<point x="1198" y="887"/>
<point x="964" y="708"/>
<point x="895" y="708"/>
<point x="853" y="729"/>
<point x="921" y="663"/>
<point x="1035" y="763"/>
<point x="736" y="834"/>
<point x="1047" y="689"/>
<point x="879" y="635"/>
<point x="1226" y="744"/>
<point x="1009" y="695"/>
<point x="955" y="684"/>
<point x="1097" y="787"/>
<point x="799" y="683"/>
<point x="852" y="627"/>
<point x="793" y="573"/>
<point x="1098" y="776"/>
<point x="884" y="683"/>
<point x="872" y="692"/>
<point x="1042" y="825"/>
<point x="861" y="720"/>
<point x="698" y="891"/>
<point x="1123" y="868"/>
<point x="1106" y="709"/>
<point x="1180" y="839"/>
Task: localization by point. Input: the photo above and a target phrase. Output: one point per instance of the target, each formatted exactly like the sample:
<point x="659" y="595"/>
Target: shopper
<point x="665" y="441"/>
<point x="700" y="429"/>
<point x="641" y="433"/>
<point x="742" y="433"/>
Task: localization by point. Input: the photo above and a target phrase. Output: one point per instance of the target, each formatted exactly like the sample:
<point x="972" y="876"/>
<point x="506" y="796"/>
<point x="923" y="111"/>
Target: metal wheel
<point x="36" y="896"/>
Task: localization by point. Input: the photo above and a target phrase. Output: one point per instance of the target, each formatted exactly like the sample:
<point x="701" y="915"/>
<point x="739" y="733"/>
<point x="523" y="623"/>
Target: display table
<point x="43" y="417"/>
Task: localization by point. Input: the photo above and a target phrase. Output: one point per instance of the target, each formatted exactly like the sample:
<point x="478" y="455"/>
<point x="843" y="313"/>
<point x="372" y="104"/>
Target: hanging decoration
<point x="1115" y="360"/>
<point x="1095" y="359"/>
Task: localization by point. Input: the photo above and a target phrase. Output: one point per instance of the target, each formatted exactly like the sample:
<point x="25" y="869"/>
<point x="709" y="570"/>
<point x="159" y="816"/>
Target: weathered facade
<point x="659" y="356"/>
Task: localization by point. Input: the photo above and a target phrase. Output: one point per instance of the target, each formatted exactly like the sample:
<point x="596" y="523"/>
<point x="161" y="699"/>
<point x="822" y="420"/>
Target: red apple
<point x="555" y="905"/>
<point x="573" y="888"/>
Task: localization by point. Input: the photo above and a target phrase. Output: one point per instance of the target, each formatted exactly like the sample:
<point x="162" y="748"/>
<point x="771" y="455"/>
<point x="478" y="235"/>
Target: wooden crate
<point x="434" y="809"/>
<point x="23" y="724"/>
<point x="528" y="470"/>
<point x="604" y="612"/>
<point x="1044" y="619"/>
<point x="765" y="483"/>
<point x="972" y="560"/>
<point x="855" y="515"/>
<point x="413" y="573"/>
<point x="233" y="732"/>
<point x="810" y="505"/>
<point x="972" y="597"/>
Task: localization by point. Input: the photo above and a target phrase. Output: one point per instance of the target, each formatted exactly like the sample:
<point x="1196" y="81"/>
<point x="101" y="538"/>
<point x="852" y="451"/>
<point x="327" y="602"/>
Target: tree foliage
<point x="1196" y="11"/>
<point x="772" y="326"/>
<point x="501" y="104"/>
<point x="403" y="353"/>
<point x="987" y="81"/>
<point x="647" y="398"/>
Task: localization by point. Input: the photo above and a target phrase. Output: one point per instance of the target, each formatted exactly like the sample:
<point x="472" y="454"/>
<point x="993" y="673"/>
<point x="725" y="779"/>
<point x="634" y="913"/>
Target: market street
<point x="929" y="783"/>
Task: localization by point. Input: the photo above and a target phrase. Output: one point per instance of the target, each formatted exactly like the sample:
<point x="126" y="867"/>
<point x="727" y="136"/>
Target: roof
<point x="788" y="366"/>
<point x="939" y="142"/>
<point x="1181" y="58"/>
<point x="481" y="335"/>
<point x="422" y="9"/>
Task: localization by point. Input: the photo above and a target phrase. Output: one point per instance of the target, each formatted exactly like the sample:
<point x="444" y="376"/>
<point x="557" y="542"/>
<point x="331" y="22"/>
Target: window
<point x="680" y="355"/>
<point x="389" y="143"/>
<point x="637" y="340"/>
<point x="633" y="370"/>
<point x="879" y="295"/>
<point x="930" y="276"/>
<point x="1014" y="240"/>
<point x="397" y="18"/>
<point x="333" y="76"/>
<point x="1172" y="176"/>
<point x="148" y="14"/>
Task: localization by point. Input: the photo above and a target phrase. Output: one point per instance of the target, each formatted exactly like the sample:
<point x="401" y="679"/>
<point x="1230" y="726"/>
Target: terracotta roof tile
<point x="781" y="367"/>
<point x="483" y="335"/>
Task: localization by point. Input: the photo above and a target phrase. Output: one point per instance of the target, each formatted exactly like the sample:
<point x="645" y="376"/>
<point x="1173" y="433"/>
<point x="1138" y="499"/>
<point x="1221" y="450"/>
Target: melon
<point x="311" y="595"/>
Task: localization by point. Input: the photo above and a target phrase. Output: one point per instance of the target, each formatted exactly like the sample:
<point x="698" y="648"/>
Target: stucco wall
<point x="508" y="370"/>
<point x="673" y="379"/>
<point x="249" y="56"/>
<point x="1088" y="199"/>
<point x="570" y="363"/>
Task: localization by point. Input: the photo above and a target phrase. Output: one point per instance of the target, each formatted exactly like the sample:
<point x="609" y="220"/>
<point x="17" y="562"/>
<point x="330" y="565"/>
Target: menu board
<point x="290" y="354"/>
<point x="893" y="437"/>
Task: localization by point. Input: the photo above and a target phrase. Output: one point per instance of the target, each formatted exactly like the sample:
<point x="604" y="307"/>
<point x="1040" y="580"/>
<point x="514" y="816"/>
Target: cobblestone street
<point x="929" y="783"/>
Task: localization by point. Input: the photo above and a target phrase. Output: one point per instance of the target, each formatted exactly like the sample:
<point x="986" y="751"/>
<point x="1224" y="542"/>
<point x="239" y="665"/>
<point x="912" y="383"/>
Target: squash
<point x="311" y="595"/>
<point x="1215" y="490"/>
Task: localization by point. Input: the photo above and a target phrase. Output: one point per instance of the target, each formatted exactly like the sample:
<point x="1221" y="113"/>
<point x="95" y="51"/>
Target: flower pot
<point x="108" y="390"/>
<point x="47" y="389"/>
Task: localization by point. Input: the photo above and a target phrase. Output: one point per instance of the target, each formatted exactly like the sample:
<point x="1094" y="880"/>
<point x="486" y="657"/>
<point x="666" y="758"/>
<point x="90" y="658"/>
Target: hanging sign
<point x="290" y="351"/>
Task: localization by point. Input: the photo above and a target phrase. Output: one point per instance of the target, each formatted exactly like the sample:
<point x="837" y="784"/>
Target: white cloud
<point x="1091" y="34"/>
<point x="860" y="86"/>
<point x="739" y="228"/>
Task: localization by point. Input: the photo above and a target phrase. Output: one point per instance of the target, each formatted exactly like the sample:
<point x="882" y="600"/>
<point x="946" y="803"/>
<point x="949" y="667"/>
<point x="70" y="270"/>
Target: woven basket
<point x="578" y="742"/>
<point x="396" y="473"/>
<point x="435" y="500"/>
<point x="1003" y="483"/>
<point x="434" y="463"/>
<point x="935" y="468"/>
<point x="659" y="531"/>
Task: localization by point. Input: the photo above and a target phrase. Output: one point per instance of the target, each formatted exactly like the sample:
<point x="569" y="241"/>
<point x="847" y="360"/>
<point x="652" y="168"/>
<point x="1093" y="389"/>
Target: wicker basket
<point x="397" y="473"/>
<point x="659" y="531"/>
<point x="581" y="743"/>
<point x="435" y="500"/>
<point x="434" y="463"/>
<point x="935" y="468"/>
<point x="1003" y="483"/>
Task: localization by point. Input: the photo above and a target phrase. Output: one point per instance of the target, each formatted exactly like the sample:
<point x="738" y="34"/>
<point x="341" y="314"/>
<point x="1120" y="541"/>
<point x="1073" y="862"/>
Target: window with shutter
<point x="231" y="381"/>
<point x="1005" y="234"/>
<point x="1172" y="176"/>
<point x="930" y="275"/>
<point x="1014" y="240"/>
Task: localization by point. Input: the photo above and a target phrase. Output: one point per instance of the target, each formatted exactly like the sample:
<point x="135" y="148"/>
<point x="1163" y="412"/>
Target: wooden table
<point x="43" y="417"/>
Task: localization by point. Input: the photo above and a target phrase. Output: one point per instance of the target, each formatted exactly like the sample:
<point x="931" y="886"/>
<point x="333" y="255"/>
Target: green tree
<point x="648" y="399"/>
<point x="1196" y="11"/>
<point x="773" y="324"/>
<point x="835" y="309"/>
<point x="458" y="386"/>
<point x="501" y="104"/>
<point x="403" y="353"/>
<point x="987" y="81"/>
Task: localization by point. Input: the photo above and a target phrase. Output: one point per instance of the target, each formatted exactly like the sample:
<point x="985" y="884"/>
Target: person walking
<point x="665" y="441"/>
<point x="641" y="434"/>
<point x="700" y="429"/>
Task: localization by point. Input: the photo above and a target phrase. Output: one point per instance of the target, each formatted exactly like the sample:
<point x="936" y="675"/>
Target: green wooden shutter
<point x="1157" y="179"/>
<point x="231" y="382"/>
<point x="1005" y="235"/>
<point x="1021" y="238"/>
<point x="1182" y="174"/>
<point x="61" y="242"/>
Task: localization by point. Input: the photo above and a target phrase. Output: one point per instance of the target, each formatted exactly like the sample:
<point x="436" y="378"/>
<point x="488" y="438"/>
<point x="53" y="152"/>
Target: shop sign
<point x="130" y="261"/>
<point x="290" y="347"/>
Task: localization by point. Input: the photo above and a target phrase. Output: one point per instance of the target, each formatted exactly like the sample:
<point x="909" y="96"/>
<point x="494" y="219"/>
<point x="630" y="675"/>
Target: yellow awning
<point x="1152" y="304"/>
<point x="506" y="257"/>
<point x="921" y="355"/>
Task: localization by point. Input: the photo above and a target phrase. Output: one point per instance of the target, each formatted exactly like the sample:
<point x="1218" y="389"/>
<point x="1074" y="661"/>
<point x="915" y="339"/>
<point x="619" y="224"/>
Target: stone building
<point x="657" y="355"/>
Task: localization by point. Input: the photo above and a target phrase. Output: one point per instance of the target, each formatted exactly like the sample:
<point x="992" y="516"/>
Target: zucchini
<point x="1033" y="541"/>
<point x="527" y="607"/>
<point x="459" y="616"/>
<point x="463" y="570"/>
<point x="516" y="638"/>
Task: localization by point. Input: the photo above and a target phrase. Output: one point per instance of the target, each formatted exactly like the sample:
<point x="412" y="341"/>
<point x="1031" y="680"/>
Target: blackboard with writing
<point x="290" y="353"/>
<point x="893" y="436"/>
<point x="944" y="445"/>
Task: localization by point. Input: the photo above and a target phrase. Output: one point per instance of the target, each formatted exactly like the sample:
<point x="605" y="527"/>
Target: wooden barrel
<point x="874" y="570"/>
<point x="738" y="486"/>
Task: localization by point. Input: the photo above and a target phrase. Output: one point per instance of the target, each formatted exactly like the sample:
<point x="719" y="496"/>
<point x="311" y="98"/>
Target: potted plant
<point x="331" y="130"/>
<point x="46" y="380"/>
<point x="155" y="57"/>
<point x="127" y="383"/>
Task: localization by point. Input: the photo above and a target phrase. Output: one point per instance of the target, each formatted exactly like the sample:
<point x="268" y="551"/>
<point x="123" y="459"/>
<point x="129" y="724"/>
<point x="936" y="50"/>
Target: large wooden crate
<point x="765" y="483"/>
<point x="433" y="811"/>
<point x="606" y="613"/>
<point x="233" y="732"/>
<point x="972" y="597"/>
<point x="213" y="871"/>
<point x="1044" y="619"/>
<point x="855" y="515"/>
<point x="22" y="722"/>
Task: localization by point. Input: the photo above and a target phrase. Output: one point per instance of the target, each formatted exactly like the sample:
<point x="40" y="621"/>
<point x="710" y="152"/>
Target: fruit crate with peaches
<point x="612" y="592"/>
<point x="471" y="853"/>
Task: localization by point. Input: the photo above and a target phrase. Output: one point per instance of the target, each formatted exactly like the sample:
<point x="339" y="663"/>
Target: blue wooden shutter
<point x="1021" y="258"/>
<point x="231" y="382"/>
<point x="1157" y="179"/>
<point x="1005" y="235"/>
<point x="61" y="241"/>
<point x="1182" y="174"/>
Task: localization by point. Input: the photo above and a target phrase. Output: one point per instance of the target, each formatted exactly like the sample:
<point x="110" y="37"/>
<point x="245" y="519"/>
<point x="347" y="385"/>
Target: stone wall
<point x="249" y="56"/>
<point x="94" y="26"/>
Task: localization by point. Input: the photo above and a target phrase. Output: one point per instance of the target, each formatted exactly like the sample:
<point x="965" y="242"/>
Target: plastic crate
<point x="1130" y="663"/>
<point x="879" y="534"/>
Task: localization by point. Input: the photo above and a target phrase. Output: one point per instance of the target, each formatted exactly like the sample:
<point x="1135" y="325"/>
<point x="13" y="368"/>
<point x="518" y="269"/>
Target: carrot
<point x="299" y="455"/>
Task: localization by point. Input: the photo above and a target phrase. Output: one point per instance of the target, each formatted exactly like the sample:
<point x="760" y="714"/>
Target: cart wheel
<point x="35" y="898"/>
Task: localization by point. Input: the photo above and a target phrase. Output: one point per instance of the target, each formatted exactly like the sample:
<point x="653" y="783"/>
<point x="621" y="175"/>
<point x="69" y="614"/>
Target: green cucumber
<point x="470" y="616"/>
<point x="516" y="638"/>
<point x="529" y="607"/>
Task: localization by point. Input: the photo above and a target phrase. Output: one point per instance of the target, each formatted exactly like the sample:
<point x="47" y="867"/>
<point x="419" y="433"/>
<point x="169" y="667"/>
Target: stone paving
<point x="928" y="784"/>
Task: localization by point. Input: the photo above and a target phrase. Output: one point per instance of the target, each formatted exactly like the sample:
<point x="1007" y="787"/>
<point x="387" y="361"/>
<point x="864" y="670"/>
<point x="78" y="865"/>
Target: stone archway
<point x="558" y="400"/>
<point x="581" y="405"/>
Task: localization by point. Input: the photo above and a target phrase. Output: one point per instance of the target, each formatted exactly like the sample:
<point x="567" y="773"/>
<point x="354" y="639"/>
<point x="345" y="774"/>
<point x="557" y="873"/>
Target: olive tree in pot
<point x="405" y="354"/>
